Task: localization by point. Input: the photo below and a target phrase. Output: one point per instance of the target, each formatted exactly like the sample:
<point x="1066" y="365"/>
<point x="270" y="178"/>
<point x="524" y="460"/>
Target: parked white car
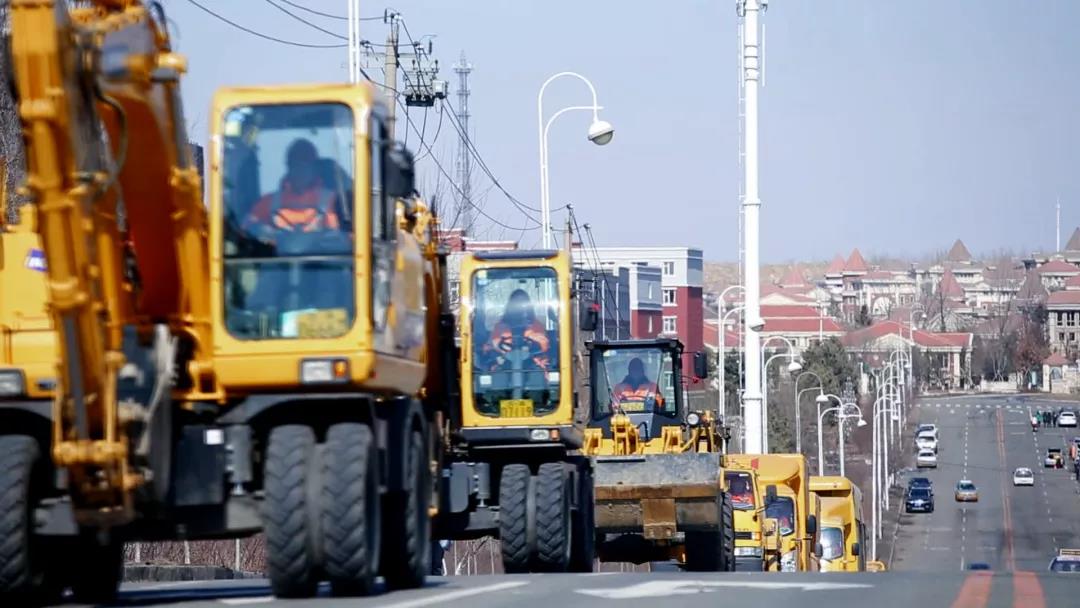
<point x="1023" y="476"/>
<point x="926" y="459"/>
<point x="1067" y="418"/>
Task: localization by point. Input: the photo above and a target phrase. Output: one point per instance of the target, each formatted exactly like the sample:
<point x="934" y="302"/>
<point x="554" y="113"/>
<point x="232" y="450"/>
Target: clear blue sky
<point x="895" y="126"/>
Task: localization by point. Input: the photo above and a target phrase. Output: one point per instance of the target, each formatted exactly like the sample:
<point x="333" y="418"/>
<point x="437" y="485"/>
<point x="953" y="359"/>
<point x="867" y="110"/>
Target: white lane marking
<point x="243" y="601"/>
<point x="937" y="405"/>
<point x="666" y="588"/>
<point x="599" y="573"/>
<point x="435" y="600"/>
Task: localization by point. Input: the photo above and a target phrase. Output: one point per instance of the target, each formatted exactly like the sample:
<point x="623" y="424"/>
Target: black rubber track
<point x="350" y="508"/>
<point x="552" y="518"/>
<point x="406" y="556"/>
<point x="291" y="562"/>
<point x="18" y="453"/>
<point x="583" y="528"/>
<point x="514" y="488"/>
<point x="99" y="570"/>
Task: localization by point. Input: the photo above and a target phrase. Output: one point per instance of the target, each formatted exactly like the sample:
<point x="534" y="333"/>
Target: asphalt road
<point x="1010" y="528"/>
<point x="1015" y="531"/>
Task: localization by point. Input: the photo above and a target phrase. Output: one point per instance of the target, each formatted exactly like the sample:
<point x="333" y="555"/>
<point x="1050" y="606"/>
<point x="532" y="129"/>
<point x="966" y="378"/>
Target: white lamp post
<point x="793" y="367"/>
<point x="721" y="333"/>
<point x="842" y="416"/>
<point x="798" y="408"/>
<point x="600" y="133"/>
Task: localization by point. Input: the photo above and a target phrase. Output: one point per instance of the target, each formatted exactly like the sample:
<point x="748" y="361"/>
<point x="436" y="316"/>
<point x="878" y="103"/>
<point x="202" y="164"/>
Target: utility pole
<point x="353" y="48"/>
<point x="464" y="159"/>
<point x="393" y="19"/>
<point x="755" y="423"/>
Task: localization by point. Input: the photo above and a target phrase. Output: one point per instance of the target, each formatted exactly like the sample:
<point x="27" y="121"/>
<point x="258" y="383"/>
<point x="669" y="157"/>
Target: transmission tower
<point x="464" y="156"/>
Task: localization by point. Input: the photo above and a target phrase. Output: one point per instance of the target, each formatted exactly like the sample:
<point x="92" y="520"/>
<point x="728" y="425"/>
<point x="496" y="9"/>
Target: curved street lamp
<point x="798" y="403"/>
<point x="600" y="133"/>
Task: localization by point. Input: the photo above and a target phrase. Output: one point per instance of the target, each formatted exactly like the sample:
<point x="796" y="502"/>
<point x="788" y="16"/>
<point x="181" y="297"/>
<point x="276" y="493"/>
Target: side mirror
<point x="811" y="525"/>
<point x="770" y="494"/>
<point x="401" y="172"/>
<point x="589" y="319"/>
<point x="818" y="550"/>
<point x="855" y="549"/>
<point x="701" y="365"/>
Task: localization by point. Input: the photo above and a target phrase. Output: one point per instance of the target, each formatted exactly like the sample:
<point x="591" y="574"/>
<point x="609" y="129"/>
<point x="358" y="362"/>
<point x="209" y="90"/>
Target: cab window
<point x="783" y="511"/>
<point x="633" y="381"/>
<point x="741" y="487"/>
<point x="832" y="543"/>
<point x="515" y="330"/>
<point x="287" y="241"/>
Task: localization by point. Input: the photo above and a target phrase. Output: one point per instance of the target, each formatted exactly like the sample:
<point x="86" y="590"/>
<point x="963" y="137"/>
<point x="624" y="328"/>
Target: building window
<point x="1061" y="336"/>
<point x="669" y="296"/>
<point x="650" y="326"/>
<point x="669" y="269"/>
<point x="669" y="326"/>
<point x="455" y="294"/>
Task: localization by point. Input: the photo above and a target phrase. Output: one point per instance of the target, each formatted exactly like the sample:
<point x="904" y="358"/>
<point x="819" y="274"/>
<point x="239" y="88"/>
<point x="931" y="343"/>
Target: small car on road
<point x="1053" y="458"/>
<point x="921" y="482"/>
<point x="1023" y="476"/>
<point x="927" y="429"/>
<point x="926" y="459"/>
<point x="1067" y="418"/>
<point x="919" y="500"/>
<point x="1067" y="560"/>
<point x="966" y="491"/>
<point x="926" y="442"/>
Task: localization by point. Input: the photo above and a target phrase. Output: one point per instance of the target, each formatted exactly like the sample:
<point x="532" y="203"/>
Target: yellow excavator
<point x="266" y="359"/>
<point x="659" y="483"/>
<point x="513" y="467"/>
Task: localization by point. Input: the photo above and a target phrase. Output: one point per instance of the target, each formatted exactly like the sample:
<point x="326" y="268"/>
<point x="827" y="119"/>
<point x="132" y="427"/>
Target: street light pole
<point x="752" y="398"/>
<point x="765" y="383"/>
<point x="600" y="133"/>
<point x="798" y="408"/>
<point x="721" y="333"/>
<point x="841" y="416"/>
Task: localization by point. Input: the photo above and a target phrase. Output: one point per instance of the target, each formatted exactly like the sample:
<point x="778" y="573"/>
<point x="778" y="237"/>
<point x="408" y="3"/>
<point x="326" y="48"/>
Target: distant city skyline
<point x="882" y="128"/>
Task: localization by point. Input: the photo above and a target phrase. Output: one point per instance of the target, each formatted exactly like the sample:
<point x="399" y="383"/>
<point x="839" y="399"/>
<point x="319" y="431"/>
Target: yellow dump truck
<point x="794" y="509"/>
<point x="843" y="532"/>
<point x="658" y="467"/>
<point x="757" y="543"/>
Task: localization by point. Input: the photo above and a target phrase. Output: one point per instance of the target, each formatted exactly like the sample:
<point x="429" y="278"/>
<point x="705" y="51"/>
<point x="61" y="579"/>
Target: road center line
<point x="1006" y="506"/>
<point x="435" y="600"/>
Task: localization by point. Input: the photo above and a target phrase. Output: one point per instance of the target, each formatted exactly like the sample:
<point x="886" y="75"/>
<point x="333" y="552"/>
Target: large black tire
<point x="583" y="527"/>
<point x="406" y="546"/>
<point x="20" y="570"/>
<point x="98" y="570"/>
<point x="713" y="551"/>
<point x="552" y="518"/>
<point x="515" y="486"/>
<point x="350" y="508"/>
<point x="727" y="513"/>
<point x="291" y="557"/>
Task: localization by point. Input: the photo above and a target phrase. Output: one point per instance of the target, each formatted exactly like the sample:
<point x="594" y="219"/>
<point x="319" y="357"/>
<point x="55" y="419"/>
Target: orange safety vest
<point x="625" y="392"/>
<point x="502" y="340"/>
<point x="311" y="210"/>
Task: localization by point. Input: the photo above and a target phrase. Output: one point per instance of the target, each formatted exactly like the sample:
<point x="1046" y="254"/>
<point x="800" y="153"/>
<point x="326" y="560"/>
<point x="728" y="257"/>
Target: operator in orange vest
<point x="301" y="204"/>
<point x="519" y="320"/>
<point x="636" y="386"/>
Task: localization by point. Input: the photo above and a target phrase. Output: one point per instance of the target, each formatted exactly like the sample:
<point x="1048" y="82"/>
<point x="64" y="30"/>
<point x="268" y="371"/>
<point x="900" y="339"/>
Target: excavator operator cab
<point x="517" y="326"/>
<point x="639" y="378"/>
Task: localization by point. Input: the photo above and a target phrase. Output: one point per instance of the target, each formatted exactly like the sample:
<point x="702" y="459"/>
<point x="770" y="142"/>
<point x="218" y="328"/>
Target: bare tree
<point x="11" y="144"/>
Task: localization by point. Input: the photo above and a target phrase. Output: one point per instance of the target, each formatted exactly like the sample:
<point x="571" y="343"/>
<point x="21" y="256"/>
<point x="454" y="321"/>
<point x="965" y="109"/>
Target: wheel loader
<point x="264" y="360"/>
<point x="659" y="483"/>
<point x="513" y="467"/>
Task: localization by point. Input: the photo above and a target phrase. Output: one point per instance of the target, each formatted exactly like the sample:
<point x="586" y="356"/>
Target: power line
<point x="483" y="166"/>
<point x="327" y="15"/>
<point x="264" y="36"/>
<point x="442" y="170"/>
<point x="305" y="21"/>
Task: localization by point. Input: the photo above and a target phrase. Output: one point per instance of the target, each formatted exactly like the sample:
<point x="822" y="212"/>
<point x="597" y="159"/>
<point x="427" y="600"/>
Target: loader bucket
<point x="657" y="495"/>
